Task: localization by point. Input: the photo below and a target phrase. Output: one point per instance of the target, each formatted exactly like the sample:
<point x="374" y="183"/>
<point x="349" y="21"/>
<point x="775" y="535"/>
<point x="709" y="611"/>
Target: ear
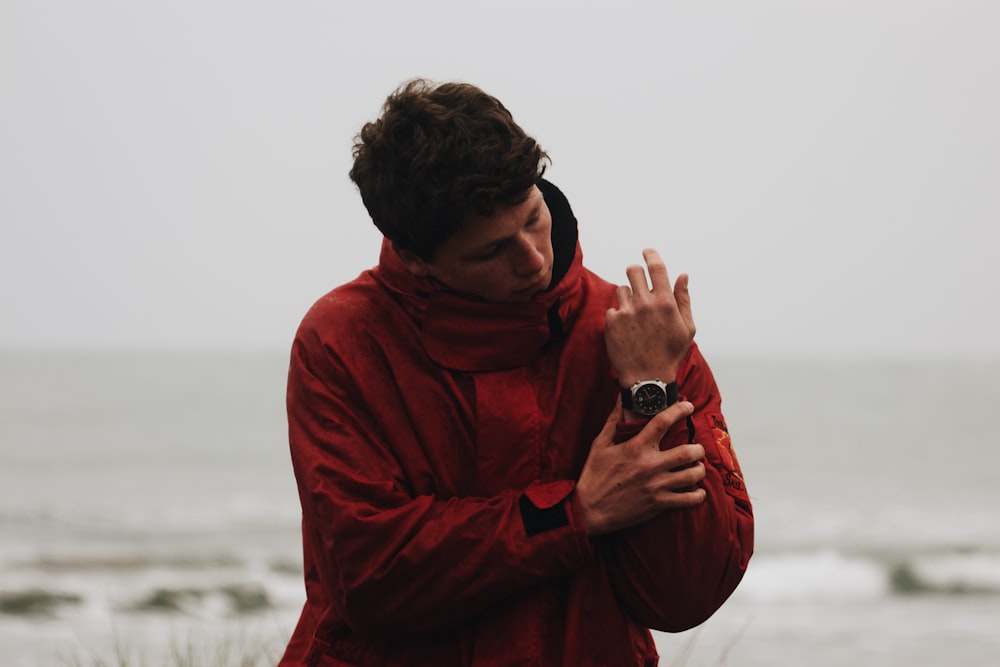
<point x="411" y="261"/>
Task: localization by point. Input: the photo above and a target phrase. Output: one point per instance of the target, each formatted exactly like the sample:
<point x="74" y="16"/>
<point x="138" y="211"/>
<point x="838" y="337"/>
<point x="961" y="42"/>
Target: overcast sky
<point x="174" y="174"/>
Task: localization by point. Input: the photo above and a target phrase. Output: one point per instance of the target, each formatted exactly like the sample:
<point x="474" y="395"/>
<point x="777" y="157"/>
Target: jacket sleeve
<point x="391" y="562"/>
<point x="674" y="571"/>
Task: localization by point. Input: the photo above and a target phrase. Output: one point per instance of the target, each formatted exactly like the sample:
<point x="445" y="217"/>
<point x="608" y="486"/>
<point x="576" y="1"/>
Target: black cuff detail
<point x="538" y="520"/>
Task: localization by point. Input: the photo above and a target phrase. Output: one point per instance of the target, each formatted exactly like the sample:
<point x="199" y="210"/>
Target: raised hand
<point x="650" y="331"/>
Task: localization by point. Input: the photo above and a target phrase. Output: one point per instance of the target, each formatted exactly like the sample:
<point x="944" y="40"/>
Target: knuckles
<point x="687" y="454"/>
<point x="691" y="476"/>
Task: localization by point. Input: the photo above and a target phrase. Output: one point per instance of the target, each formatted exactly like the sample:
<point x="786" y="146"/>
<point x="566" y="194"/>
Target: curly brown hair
<point x="438" y="153"/>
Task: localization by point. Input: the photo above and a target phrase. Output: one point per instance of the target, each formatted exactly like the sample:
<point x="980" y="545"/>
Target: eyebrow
<point x="496" y="244"/>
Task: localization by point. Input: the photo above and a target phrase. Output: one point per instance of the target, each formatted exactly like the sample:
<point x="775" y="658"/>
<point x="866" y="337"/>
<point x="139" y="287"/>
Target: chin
<point x="511" y="297"/>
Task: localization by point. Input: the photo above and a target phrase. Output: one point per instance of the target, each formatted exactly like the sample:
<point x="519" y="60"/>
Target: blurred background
<point x="174" y="195"/>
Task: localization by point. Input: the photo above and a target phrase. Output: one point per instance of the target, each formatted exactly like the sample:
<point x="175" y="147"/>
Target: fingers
<point x="657" y="269"/>
<point x="682" y="296"/>
<point x="661" y="423"/>
<point x="658" y="278"/>
<point x="684" y="499"/>
<point x="683" y="456"/>
<point x="637" y="279"/>
<point x="679" y="485"/>
<point x="622" y="294"/>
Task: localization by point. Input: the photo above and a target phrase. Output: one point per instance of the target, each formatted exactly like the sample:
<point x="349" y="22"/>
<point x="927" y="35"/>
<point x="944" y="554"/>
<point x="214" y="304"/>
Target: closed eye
<point x="489" y="254"/>
<point x="492" y="251"/>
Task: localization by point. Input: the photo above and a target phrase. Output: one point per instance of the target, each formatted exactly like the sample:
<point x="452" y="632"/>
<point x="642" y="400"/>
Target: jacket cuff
<point x="543" y="506"/>
<point x="628" y="430"/>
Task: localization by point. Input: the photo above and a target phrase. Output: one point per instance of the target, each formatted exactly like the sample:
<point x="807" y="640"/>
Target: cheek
<point x="544" y="244"/>
<point x="485" y="276"/>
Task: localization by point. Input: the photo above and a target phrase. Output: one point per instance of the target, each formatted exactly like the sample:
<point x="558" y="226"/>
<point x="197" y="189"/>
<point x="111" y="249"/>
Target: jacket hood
<point x="463" y="333"/>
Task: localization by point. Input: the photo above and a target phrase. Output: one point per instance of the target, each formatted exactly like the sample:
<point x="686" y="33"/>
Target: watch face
<point x="649" y="399"/>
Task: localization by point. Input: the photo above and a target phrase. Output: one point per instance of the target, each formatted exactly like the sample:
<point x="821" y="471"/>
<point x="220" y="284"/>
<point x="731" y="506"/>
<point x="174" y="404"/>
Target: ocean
<point x="148" y="513"/>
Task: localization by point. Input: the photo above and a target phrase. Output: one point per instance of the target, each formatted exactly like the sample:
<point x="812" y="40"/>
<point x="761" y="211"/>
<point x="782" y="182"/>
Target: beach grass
<point x="235" y="648"/>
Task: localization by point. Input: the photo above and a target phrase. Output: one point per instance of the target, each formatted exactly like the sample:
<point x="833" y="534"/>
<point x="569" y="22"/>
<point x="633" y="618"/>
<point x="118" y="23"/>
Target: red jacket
<point x="435" y="442"/>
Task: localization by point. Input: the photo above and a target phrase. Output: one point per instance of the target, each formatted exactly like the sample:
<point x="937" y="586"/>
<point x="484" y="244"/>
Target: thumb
<point x="682" y="296"/>
<point x="607" y="434"/>
<point x="661" y="423"/>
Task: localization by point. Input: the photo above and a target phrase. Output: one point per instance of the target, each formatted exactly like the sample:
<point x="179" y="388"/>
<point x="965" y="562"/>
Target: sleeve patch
<point x="723" y="443"/>
<point x="729" y="466"/>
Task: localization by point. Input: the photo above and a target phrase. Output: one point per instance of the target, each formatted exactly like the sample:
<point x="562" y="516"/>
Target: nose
<point x="529" y="258"/>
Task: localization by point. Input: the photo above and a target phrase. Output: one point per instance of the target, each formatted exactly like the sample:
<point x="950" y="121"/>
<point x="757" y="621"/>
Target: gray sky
<point x="175" y="174"/>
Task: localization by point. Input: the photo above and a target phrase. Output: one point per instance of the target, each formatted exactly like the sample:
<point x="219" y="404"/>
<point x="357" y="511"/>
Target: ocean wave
<point x="232" y="599"/>
<point x="221" y="584"/>
<point x="202" y="584"/>
<point x="35" y="602"/>
<point x="232" y="514"/>
<point x="228" y="600"/>
<point x="972" y="573"/>
<point x="835" y="575"/>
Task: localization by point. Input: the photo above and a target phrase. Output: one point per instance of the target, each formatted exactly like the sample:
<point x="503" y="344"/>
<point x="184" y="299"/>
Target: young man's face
<point x="503" y="258"/>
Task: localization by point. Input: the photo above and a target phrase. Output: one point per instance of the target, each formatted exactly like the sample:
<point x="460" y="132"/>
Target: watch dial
<point x="649" y="399"/>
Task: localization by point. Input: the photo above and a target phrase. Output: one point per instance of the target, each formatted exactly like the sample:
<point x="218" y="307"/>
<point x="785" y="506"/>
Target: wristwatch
<point x="647" y="397"/>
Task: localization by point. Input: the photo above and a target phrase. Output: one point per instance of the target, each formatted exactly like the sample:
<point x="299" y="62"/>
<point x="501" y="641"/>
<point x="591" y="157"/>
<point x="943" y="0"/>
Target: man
<point x="501" y="458"/>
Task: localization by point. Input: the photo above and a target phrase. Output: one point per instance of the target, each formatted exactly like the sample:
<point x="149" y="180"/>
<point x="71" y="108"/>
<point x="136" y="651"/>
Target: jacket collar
<point x="462" y="333"/>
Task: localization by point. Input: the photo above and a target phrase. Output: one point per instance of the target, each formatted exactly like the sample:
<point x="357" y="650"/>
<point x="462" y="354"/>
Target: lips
<point x="541" y="283"/>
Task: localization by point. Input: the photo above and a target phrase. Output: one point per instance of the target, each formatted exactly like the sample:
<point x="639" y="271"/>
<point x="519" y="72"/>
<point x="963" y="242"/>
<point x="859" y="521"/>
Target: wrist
<point x="631" y="419"/>
<point x="626" y="380"/>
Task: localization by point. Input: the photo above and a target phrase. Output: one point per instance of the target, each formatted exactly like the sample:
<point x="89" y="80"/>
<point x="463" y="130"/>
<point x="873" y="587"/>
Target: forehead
<point x="506" y="220"/>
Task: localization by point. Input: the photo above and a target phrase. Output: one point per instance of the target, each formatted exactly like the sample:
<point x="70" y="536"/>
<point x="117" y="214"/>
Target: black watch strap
<point x="673" y="393"/>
